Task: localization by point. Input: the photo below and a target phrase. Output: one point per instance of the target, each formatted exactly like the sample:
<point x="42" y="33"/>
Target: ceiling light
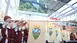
<point x="55" y="0"/>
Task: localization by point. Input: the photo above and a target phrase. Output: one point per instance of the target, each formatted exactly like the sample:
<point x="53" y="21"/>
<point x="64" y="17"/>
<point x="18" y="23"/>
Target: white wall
<point x="2" y="9"/>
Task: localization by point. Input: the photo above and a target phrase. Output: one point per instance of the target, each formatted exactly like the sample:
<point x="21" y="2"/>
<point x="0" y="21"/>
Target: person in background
<point x="1" y="25"/>
<point x="72" y="36"/>
<point x="46" y="41"/>
<point x="76" y="36"/>
<point x="0" y="31"/>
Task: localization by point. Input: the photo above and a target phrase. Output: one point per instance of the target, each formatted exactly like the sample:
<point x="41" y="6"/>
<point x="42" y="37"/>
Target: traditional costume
<point x="25" y="31"/>
<point x="3" y="35"/>
<point x="18" y="33"/>
<point x="19" y="36"/>
<point x="26" y="35"/>
<point x="11" y="33"/>
<point x="4" y="30"/>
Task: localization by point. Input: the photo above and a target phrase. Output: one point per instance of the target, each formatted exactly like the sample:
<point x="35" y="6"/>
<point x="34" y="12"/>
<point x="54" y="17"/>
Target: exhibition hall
<point x="38" y="21"/>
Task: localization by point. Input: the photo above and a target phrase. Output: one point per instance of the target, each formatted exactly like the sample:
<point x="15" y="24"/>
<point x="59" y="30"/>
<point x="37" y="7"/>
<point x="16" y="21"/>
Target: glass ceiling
<point x="32" y="6"/>
<point x="67" y="10"/>
<point x="39" y="6"/>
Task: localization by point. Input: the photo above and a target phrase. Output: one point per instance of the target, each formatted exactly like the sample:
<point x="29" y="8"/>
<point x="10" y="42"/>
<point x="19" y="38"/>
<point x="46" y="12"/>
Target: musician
<point x="11" y="32"/>
<point x="26" y="30"/>
<point x="19" y="32"/>
<point x="4" y="30"/>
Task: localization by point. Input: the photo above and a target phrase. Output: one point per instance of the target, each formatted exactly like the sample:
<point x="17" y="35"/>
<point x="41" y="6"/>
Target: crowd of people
<point x="14" y="31"/>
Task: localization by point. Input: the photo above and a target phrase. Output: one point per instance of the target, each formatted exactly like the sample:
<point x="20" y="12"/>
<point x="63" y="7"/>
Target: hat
<point x="16" y="21"/>
<point x="21" y="21"/>
<point x="6" y="17"/>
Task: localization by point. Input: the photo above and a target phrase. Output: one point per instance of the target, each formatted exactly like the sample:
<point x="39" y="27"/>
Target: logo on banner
<point x="50" y="31"/>
<point x="63" y="35"/>
<point x="36" y="31"/>
<point x="56" y="33"/>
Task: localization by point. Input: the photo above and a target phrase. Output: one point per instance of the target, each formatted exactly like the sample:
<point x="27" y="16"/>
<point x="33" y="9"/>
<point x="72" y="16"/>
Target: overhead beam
<point x="70" y="14"/>
<point x="68" y="7"/>
<point x="33" y="13"/>
<point x="64" y="13"/>
<point x="67" y="11"/>
<point x="7" y="7"/>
